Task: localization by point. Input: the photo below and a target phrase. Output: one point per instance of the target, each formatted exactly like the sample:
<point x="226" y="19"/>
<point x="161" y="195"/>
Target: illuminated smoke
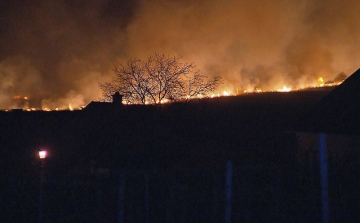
<point x="57" y="51"/>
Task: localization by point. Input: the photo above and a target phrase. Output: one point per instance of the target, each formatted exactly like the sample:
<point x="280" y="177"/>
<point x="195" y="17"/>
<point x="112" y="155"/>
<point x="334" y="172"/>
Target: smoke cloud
<point x="56" y="52"/>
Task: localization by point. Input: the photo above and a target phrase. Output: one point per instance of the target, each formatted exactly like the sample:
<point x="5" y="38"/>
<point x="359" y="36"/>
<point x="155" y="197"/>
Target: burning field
<point x="23" y="102"/>
<point x="52" y="56"/>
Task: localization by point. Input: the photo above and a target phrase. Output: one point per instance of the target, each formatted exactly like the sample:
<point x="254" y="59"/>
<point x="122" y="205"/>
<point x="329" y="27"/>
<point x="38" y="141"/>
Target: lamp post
<point x="42" y="156"/>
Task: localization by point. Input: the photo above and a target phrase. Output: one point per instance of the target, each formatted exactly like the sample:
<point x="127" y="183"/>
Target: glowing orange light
<point x="321" y="81"/>
<point x="284" y="89"/>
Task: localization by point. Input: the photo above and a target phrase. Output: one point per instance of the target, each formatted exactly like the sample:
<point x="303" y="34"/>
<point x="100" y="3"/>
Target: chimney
<point x="117" y="98"/>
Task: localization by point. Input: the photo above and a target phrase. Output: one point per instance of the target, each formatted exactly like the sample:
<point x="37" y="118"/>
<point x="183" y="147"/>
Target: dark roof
<point x="101" y="106"/>
<point x="338" y="111"/>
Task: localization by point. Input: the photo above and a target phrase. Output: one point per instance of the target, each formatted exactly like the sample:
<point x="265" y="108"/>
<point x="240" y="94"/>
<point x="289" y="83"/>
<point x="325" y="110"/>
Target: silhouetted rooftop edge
<point x="338" y="111"/>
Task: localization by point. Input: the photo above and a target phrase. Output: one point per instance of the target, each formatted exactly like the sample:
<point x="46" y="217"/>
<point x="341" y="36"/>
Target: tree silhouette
<point x="158" y="79"/>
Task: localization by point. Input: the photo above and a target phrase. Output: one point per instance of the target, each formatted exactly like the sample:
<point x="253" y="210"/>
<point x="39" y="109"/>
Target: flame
<point x="20" y="97"/>
<point x="225" y="92"/>
<point x="163" y="101"/>
<point x="284" y="89"/>
<point x="31" y="109"/>
<point x="320" y="81"/>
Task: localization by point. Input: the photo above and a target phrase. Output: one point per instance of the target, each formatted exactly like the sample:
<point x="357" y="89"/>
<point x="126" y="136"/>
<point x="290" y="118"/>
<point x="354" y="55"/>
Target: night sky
<point x="57" y="51"/>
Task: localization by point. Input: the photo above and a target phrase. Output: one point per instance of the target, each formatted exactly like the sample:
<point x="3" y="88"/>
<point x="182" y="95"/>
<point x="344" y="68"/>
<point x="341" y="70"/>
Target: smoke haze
<point x="57" y="51"/>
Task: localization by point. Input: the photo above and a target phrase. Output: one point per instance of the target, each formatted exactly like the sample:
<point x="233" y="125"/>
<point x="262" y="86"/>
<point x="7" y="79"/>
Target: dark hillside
<point x="72" y="136"/>
<point x="172" y="156"/>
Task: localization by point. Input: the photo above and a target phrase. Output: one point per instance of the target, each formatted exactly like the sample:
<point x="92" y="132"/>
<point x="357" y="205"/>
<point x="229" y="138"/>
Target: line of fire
<point x="250" y="157"/>
<point x="22" y="102"/>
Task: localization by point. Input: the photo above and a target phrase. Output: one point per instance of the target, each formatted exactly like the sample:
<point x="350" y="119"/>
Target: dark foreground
<point x="168" y="164"/>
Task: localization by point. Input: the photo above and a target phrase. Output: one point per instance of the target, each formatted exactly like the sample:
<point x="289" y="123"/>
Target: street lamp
<point x="42" y="156"/>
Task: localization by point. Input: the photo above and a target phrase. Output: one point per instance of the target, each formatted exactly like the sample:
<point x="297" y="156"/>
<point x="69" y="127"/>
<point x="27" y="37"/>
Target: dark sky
<point x="56" y="51"/>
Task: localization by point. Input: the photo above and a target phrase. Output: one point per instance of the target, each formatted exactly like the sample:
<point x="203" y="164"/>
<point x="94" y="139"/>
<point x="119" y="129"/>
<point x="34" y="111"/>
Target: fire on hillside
<point x="23" y="101"/>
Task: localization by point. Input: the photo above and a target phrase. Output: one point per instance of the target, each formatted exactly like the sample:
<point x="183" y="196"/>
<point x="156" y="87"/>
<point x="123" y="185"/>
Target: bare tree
<point x="197" y="86"/>
<point x="157" y="79"/>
